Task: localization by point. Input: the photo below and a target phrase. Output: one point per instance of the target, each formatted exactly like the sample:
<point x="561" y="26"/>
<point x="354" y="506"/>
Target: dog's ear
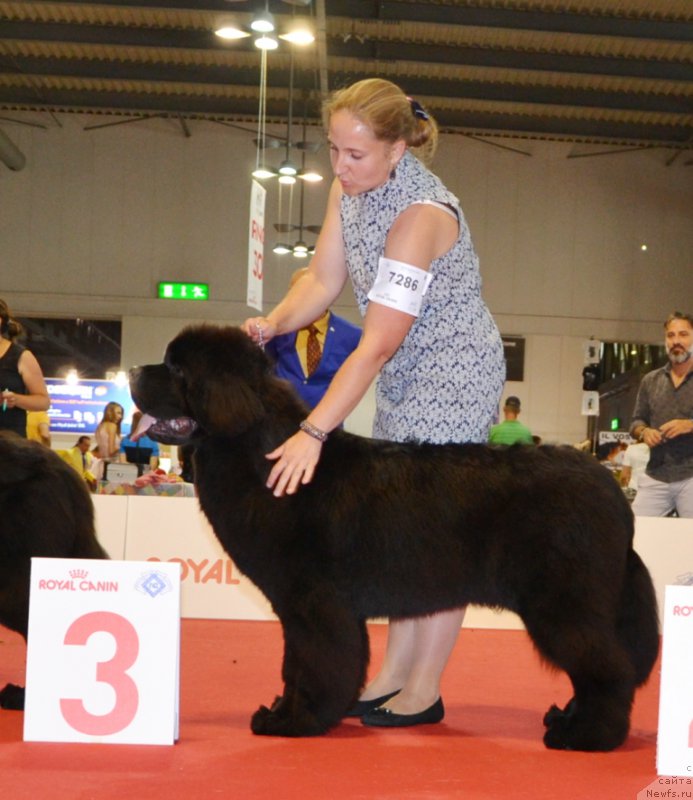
<point x="230" y="405"/>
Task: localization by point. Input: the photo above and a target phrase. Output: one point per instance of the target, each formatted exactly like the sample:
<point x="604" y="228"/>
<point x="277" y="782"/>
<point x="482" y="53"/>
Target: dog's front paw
<point x="555" y="713"/>
<point x="278" y="721"/>
<point x="12" y="697"/>
<point x="557" y="735"/>
<point x="259" y="721"/>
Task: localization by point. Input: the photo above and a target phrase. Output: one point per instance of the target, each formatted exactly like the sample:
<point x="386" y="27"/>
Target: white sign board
<point x="103" y="652"/>
<point x="256" y="245"/>
<point x="675" y="731"/>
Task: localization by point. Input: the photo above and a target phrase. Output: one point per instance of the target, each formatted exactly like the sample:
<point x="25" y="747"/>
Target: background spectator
<point x="144" y="442"/>
<point x="38" y="427"/>
<point x="511" y="430"/>
<point x="80" y="459"/>
<point x="634" y="463"/>
<point x="663" y="420"/>
<point x="310" y="357"/>
<point x="22" y="387"/>
<point x="107" y="436"/>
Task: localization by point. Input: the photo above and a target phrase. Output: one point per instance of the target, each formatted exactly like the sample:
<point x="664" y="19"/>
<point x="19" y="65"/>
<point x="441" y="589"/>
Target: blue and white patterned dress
<point x="444" y="382"/>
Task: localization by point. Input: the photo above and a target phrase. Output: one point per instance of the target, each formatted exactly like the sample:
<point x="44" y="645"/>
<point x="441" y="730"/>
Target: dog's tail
<point x="638" y="622"/>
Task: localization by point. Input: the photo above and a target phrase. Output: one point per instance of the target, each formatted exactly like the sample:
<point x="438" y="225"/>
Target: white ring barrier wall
<point x="175" y="529"/>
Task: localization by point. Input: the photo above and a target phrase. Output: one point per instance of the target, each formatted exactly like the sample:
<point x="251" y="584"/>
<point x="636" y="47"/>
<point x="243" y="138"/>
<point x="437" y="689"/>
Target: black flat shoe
<point x="384" y="718"/>
<point x="362" y="707"/>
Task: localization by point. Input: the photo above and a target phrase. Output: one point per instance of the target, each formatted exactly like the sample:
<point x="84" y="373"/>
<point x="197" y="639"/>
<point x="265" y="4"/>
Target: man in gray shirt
<point x="663" y="419"/>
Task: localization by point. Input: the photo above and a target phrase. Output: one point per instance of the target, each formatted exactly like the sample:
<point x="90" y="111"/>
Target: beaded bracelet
<point x="311" y="430"/>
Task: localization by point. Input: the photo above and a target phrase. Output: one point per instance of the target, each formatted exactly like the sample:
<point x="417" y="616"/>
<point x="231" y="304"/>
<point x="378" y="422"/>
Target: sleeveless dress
<point x="445" y="381"/>
<point x="101" y="442"/>
<point x="12" y="419"/>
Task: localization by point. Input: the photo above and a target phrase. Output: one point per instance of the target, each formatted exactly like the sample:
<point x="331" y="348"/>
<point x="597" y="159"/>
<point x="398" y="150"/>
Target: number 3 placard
<point x="103" y="652"/>
<point x="675" y="734"/>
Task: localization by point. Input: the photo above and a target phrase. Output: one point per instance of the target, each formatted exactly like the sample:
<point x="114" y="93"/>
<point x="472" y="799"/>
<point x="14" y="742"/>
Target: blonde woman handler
<point x="400" y="236"/>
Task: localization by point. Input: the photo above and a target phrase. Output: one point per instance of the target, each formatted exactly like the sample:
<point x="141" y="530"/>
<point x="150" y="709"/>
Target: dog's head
<point x="211" y="381"/>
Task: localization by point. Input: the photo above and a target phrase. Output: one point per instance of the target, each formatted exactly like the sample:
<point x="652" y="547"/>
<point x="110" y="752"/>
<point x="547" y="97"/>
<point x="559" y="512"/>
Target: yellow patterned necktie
<point x="313" y="350"/>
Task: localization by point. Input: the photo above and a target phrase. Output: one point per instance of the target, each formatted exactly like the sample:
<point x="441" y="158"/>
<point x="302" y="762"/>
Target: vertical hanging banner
<point x="256" y="242"/>
<point x="103" y="652"/>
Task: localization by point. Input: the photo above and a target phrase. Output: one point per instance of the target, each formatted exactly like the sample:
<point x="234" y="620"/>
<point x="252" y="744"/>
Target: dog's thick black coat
<point x="45" y="511"/>
<point x="400" y="530"/>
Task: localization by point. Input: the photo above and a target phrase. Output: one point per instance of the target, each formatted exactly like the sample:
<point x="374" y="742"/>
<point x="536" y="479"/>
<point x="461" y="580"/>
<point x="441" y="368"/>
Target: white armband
<point x="399" y="285"/>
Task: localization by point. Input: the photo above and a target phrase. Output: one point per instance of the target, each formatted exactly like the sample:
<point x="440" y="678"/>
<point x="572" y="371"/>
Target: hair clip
<point x="417" y="109"/>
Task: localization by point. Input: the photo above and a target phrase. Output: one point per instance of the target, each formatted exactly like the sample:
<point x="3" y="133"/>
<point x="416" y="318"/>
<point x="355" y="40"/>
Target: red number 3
<point x="112" y="672"/>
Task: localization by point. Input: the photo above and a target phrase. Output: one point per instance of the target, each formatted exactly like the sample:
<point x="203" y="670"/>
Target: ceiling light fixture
<point x="287" y="168"/>
<point x="300" y="249"/>
<point x="262" y="172"/>
<point x="309" y="176"/>
<point x="288" y="174"/>
<point x="266" y="42"/>
<point x="229" y="30"/>
<point x="300" y="32"/>
<point x="263" y="22"/>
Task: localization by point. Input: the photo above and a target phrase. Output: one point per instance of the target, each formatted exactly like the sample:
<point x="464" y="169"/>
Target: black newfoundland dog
<point x="400" y="530"/>
<point x="45" y="511"/>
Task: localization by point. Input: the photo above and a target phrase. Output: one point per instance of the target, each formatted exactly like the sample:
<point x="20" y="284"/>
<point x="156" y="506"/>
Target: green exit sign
<point x="184" y="291"/>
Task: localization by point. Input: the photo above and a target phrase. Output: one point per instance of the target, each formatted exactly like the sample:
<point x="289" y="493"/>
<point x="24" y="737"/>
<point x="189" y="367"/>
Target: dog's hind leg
<point x="325" y="662"/>
<point x="603" y="678"/>
<point x="637" y="626"/>
<point x="612" y="665"/>
<point x="597" y="718"/>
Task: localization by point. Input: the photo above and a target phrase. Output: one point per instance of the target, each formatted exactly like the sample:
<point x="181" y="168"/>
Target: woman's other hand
<point x="259" y="329"/>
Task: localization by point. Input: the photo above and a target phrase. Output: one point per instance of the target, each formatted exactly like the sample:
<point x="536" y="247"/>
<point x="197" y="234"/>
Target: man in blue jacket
<point x="310" y="357"/>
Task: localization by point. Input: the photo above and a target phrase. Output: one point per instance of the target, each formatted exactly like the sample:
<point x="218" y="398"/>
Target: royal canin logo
<point x="78" y="581"/>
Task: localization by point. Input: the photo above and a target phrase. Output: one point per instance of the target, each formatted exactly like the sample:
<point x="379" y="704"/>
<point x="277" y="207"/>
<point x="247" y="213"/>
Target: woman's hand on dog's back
<point x="296" y="460"/>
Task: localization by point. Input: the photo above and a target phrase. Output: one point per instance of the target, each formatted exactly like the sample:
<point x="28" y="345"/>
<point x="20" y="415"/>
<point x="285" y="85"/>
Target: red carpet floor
<point x="489" y="745"/>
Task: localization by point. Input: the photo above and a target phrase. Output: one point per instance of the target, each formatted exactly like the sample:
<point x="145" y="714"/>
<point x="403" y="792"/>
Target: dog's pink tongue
<point x="145" y="424"/>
